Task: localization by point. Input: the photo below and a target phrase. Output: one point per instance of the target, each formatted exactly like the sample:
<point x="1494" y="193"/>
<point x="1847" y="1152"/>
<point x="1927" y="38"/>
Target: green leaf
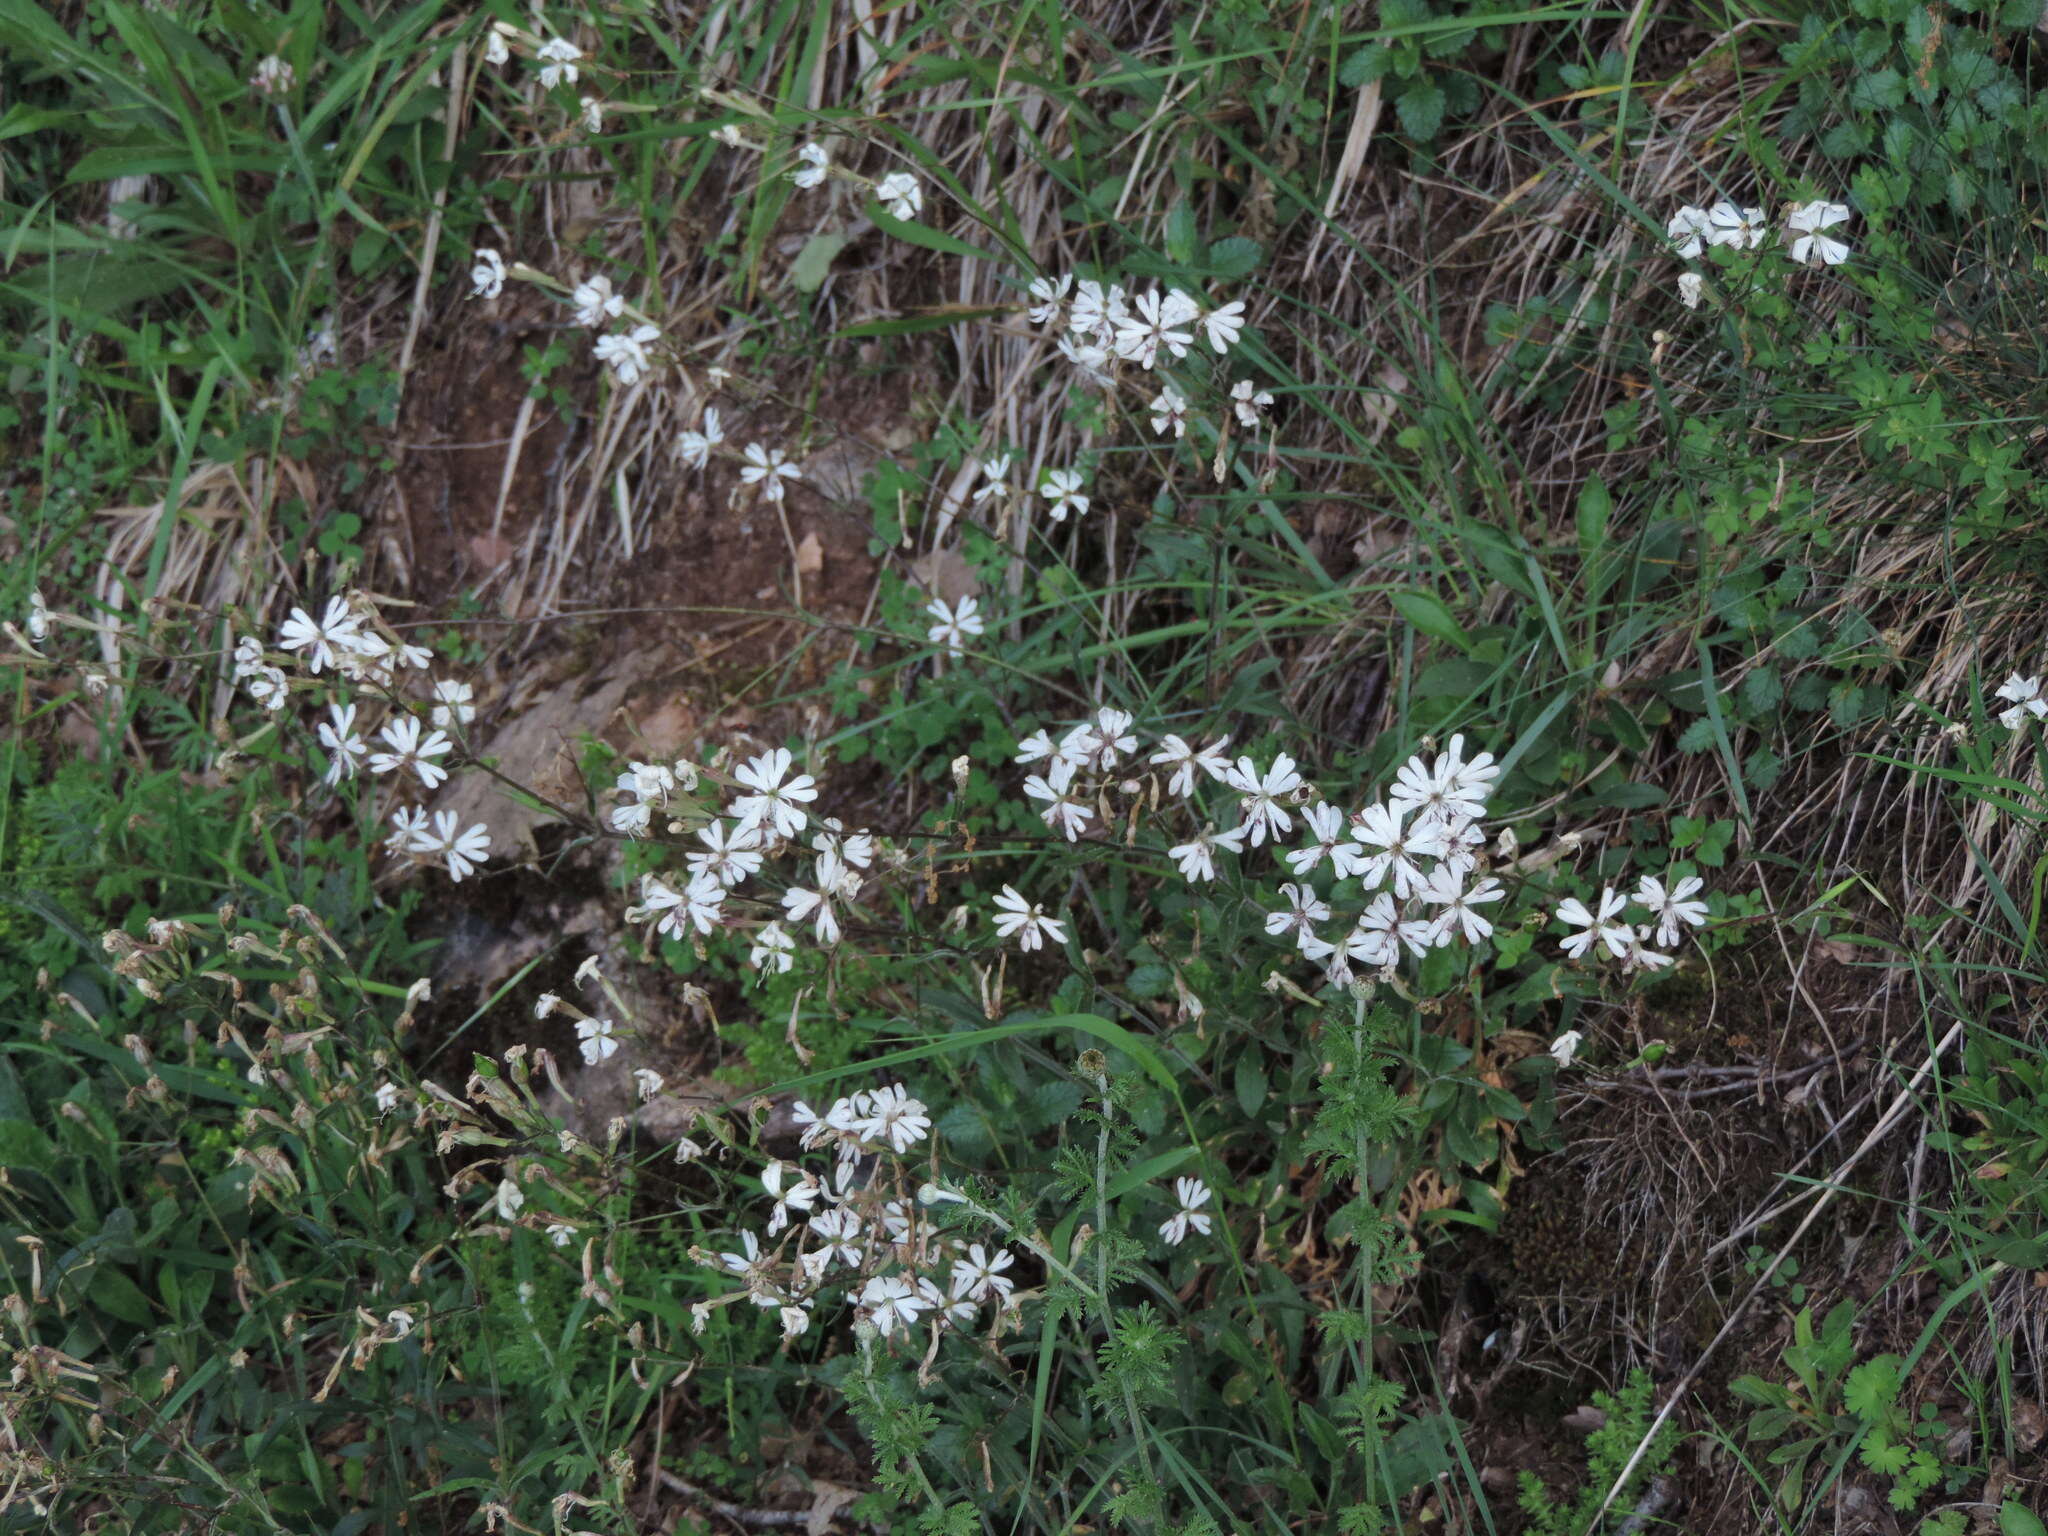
<point x="1250" y="1083"/>
<point x="116" y="1293"/>
<point x="2015" y="1519"/>
<point x="1872" y="1387"/>
<point x="1428" y="614"/>
<point x="1421" y="108"/>
<point x="1235" y="256"/>
<point x="814" y="261"/>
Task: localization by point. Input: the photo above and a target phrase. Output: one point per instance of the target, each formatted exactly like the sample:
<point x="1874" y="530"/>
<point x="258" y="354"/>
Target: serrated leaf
<point x="1872" y="1388"/>
<point x="1421" y="108"/>
<point x="1235" y="256"/>
<point x="1698" y="736"/>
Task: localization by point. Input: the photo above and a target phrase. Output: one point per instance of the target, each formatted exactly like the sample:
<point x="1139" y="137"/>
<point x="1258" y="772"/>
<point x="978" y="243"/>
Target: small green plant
<point x="1608" y="1450"/>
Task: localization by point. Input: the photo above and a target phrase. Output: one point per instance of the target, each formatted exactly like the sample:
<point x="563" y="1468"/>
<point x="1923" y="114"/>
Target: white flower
<point x="729" y="857"/>
<point x="1326" y="825"/>
<point x="509" y="1199"/>
<point x="1687" y="231"/>
<point x="1224" y="325"/>
<point x="402" y="736"/>
<point x="794" y="1320"/>
<point x="746" y="1257"/>
<point x="453" y="702"/>
<point x="1063" y="810"/>
<point x="597" y="1040"/>
<point x="1303" y="911"/>
<point x="1063" y="489"/>
<point x="1565" y="1047"/>
<point x="1192" y="1194"/>
<point x="1035" y="748"/>
<point x="1392" y="851"/>
<point x="409" y="832"/>
<point x="273" y="76"/>
<point x="1027" y="920"/>
<point x="1260" y="797"/>
<point x="1742" y="228"/>
<point x="593" y="119"/>
<point x="1098" y="311"/>
<point x="767" y="468"/>
<point x="1051" y="294"/>
<point x="1249" y="401"/>
<point x="840" y="1228"/>
<point x="695" y="447"/>
<point x="626" y="352"/>
<point x="1446" y="888"/>
<point x="647" y="1081"/>
<point x="632" y="818"/>
<point x="1139" y="337"/>
<point x="1639" y="958"/>
<point x="344" y="746"/>
<point x="465" y="853"/>
<point x="900" y="192"/>
<point x="800" y="902"/>
<point x="488" y="275"/>
<point x="979" y="1276"/>
<point x="1596" y="925"/>
<point x="1197" y="859"/>
<point x="268" y="687"/>
<point x="39" y="626"/>
<point x="596" y="303"/>
<point x="1673" y="906"/>
<point x="561" y="1234"/>
<point x="812" y="172"/>
<point x="773" y="950"/>
<point x="955" y="624"/>
<point x="1112" y="735"/>
<point x="1183" y="759"/>
<point x="1811" y="247"/>
<point x="892" y="1302"/>
<point x="1078" y="747"/>
<point x="2024" y="695"/>
<point x="799" y="1196"/>
<point x="1169" y="412"/>
<point x="895" y="1118"/>
<point x="387" y="1098"/>
<point x="495" y="51"/>
<point x="1090" y="360"/>
<point x="561" y="57"/>
<point x="774" y="803"/>
<point x="993" y="482"/>
<point x="697" y="905"/>
<point x="1690" y="287"/>
<point x="336" y="630"/>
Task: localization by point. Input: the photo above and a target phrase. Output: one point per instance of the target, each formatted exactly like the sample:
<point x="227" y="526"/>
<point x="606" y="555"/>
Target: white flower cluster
<point x="857" y="1235"/>
<point x="1692" y="230"/>
<point x="1672" y="908"/>
<point x="346" y="639"/>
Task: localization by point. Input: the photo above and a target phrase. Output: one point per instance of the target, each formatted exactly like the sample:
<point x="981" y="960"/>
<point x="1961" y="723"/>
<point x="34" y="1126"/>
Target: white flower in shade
<point x="1688" y="231"/>
<point x="268" y="687"/>
<point x="979" y="1276"/>
<point x="1097" y="311"/>
<point x="1035" y="748"/>
<point x="559" y="58"/>
<point x="38" y="624"/>
<point x="647" y="1081"/>
<point x="856" y="849"/>
<point x="773" y="951"/>
<point x="994" y="478"/>
<point x="1329" y="839"/>
<point x="1049" y="298"/>
<point x="336" y="630"/>
<point x="1063" y="489"/>
<point x="1690" y="288"/>
<point x="1078" y="747"/>
<point x="1197" y="859"/>
<point x="1154" y="325"/>
<point x="840" y="1229"/>
<point x="1639" y="956"/>
<point x="1674" y="906"/>
<point x="895" y="1119"/>
<point x="1392" y="849"/>
<point x="1027" y="921"/>
<point x="1224" y="325"/>
<point x="1261" y="794"/>
<point x="1595" y="924"/>
<point x="1742" y="228"/>
<point x="417" y="657"/>
<point x="1303" y="910"/>
<point x="1064" y="810"/>
<point x="2024" y="695"/>
<point x="464" y="852"/>
<point x="1810" y="246"/>
<point x="402" y="736"/>
<point x="745" y="1257"/>
<point x="1565" y="1047"/>
<point x="625" y="352"/>
<point x="487" y="274"/>
<point x="409" y="832"/>
<point x="795" y="1319"/>
<point x="561" y="1234"/>
<point x="1192" y="1195"/>
<point x="893" y="1302"/>
<point x="813" y="165"/>
<point x="694" y="448"/>
<point x="495" y="51"/>
<point x="387" y="1098"/>
<point x="593" y="118"/>
<point x="273" y="76"/>
<point x="1090" y="360"/>
<point x="729" y="857"/>
<point x="344" y="747"/>
<point x="791" y="1190"/>
<point x="1184" y="760"/>
<point x="597" y="1039"/>
<point x="954" y="624"/>
<point x="1112" y="736"/>
<point x="1169" y="413"/>
<point x="509" y="1199"/>
<point x="800" y="902"/>
<point x="453" y="702"/>
<point x="596" y="303"/>
<point x="698" y="905"/>
<point x="901" y="194"/>
<point x="1446" y="888"/>
<point x="1373" y="938"/>
<point x="767" y="468"/>
<point x="632" y="818"/>
<point x="1250" y="402"/>
<point x="777" y="800"/>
